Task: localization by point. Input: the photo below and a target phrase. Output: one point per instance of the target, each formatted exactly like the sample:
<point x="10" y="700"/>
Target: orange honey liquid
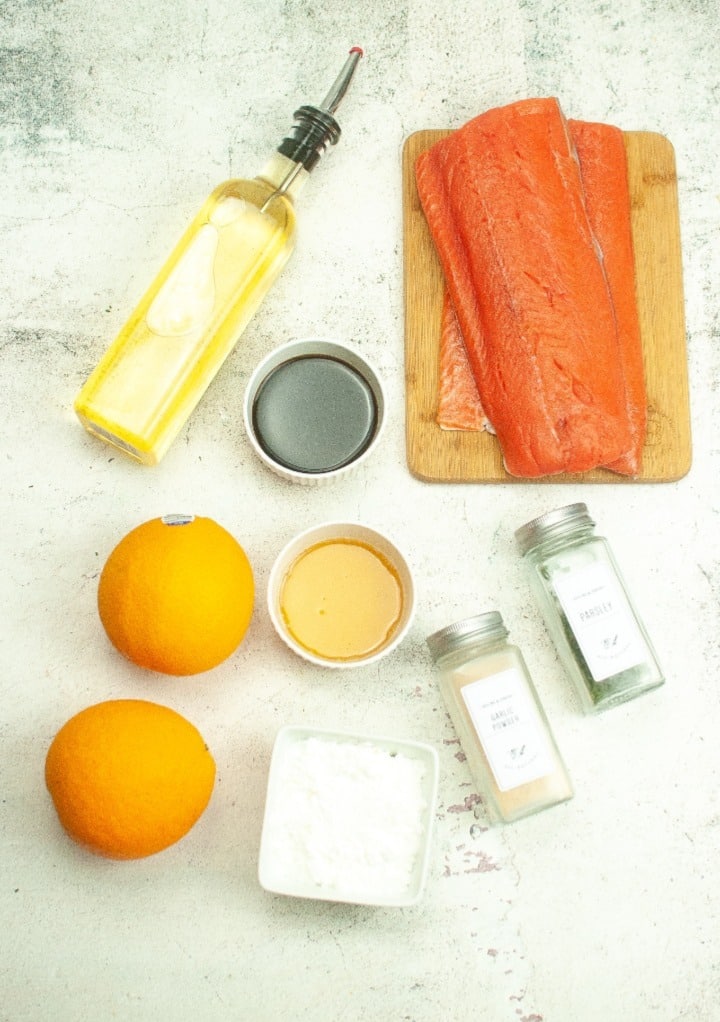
<point x="342" y="600"/>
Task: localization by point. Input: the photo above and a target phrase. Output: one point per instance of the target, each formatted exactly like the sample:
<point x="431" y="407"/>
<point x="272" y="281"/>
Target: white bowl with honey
<point x="341" y="594"/>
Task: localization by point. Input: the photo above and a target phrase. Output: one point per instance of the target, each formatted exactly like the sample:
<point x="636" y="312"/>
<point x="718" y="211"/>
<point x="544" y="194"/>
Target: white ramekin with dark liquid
<point x="314" y="410"/>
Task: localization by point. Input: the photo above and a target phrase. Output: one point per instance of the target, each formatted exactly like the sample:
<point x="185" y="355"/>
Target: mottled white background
<point x="116" y="118"/>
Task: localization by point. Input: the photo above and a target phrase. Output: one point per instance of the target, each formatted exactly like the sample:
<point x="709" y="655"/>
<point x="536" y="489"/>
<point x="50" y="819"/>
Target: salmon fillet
<point x="504" y="202"/>
<point x="603" y="167"/>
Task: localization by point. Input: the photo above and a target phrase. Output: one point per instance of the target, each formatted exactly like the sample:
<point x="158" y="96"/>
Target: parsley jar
<point x="587" y="610"/>
<point x="503" y="731"/>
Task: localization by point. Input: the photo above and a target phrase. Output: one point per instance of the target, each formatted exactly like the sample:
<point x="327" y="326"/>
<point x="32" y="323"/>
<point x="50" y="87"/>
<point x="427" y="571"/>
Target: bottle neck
<point x="280" y="172"/>
<point x="288" y="168"/>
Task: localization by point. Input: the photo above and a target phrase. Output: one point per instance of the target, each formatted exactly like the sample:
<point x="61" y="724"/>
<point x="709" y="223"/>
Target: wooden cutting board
<point x="438" y="455"/>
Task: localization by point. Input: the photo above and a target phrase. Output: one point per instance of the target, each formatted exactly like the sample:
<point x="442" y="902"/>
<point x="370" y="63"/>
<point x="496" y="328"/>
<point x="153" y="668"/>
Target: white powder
<point x="348" y="817"/>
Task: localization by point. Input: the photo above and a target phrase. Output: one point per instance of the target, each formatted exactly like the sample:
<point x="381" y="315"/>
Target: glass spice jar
<point x="587" y="610"/>
<point x="503" y="731"/>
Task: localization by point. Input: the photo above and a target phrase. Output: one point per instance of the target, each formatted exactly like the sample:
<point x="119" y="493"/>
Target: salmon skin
<point x="504" y="202"/>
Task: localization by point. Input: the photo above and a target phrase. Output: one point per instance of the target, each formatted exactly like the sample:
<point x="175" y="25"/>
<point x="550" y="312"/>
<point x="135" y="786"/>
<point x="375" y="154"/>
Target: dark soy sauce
<point x="314" y="413"/>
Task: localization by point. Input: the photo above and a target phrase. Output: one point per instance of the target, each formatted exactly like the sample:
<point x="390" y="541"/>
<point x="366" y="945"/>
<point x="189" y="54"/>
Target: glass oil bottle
<point x="503" y="730"/>
<point x="588" y="612"/>
<point x="152" y="377"/>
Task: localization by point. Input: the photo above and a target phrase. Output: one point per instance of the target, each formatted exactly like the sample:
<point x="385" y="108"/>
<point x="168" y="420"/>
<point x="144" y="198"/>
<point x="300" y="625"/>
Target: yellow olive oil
<point x="153" y="375"/>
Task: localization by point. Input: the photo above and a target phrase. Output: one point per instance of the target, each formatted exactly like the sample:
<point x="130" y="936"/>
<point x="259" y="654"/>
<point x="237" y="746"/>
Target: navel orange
<point x="176" y="595"/>
<point x="128" y="778"/>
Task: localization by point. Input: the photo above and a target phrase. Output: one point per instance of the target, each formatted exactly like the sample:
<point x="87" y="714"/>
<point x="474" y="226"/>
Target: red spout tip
<point x="357" y="49"/>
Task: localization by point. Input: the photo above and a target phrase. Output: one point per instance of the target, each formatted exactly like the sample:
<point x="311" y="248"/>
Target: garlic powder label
<point x="601" y="619"/>
<point x="509" y="728"/>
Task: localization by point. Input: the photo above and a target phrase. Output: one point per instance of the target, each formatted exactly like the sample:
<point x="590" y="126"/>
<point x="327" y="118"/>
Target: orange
<point x="128" y="777"/>
<point x="176" y="595"/>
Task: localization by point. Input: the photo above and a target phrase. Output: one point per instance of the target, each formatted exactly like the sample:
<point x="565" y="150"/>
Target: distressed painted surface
<point x="115" y="120"/>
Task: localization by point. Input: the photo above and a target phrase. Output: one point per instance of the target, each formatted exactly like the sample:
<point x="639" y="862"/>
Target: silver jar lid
<point x="465" y="632"/>
<point x="539" y="529"/>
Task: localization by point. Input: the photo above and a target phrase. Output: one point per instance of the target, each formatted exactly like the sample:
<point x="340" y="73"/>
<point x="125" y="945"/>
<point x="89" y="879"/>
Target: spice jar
<point x="503" y="730"/>
<point x="586" y="607"/>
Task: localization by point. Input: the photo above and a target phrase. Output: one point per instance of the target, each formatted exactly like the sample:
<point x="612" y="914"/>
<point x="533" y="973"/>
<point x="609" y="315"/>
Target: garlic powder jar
<point x="588" y="612"/>
<point x="491" y="700"/>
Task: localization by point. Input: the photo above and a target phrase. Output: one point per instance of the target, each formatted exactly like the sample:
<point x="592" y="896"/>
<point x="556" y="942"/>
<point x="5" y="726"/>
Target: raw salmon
<point x="603" y="166"/>
<point x="505" y="205"/>
<point x="459" y="405"/>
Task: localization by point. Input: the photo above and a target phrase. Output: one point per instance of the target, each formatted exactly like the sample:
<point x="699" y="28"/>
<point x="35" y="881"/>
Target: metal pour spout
<point x="316" y="126"/>
<point x="340" y="85"/>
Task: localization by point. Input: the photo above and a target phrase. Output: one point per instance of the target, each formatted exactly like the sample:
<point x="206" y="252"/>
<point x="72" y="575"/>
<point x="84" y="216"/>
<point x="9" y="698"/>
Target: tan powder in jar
<point x="513" y="803"/>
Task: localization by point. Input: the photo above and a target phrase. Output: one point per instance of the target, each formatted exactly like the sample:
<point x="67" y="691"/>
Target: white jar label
<point x="509" y="728"/>
<point x="601" y="620"/>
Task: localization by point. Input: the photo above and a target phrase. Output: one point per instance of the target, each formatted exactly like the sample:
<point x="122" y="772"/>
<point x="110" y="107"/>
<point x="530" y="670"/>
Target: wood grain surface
<point x="438" y="455"/>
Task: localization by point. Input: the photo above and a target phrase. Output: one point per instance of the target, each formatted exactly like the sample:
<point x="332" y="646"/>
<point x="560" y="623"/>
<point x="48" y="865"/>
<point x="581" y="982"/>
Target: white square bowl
<point x="348" y="817"/>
